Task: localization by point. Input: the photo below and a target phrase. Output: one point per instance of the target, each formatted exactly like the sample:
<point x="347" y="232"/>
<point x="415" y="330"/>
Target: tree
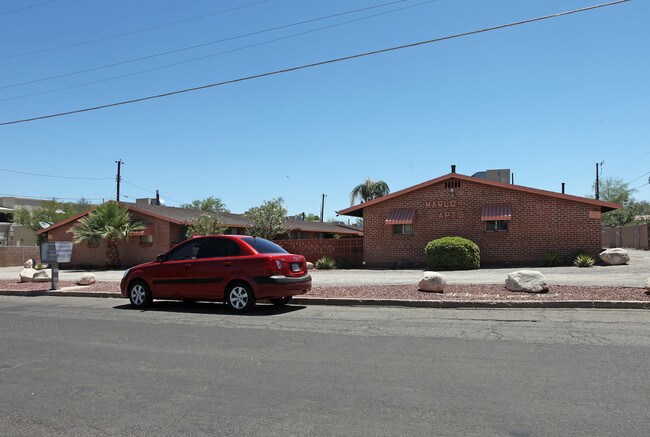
<point x="209" y="204"/>
<point x="268" y="220"/>
<point x="312" y="217"/>
<point x="369" y="190"/>
<point x="50" y="211"/>
<point x="108" y="222"/>
<point x="617" y="191"/>
<point x="206" y="224"/>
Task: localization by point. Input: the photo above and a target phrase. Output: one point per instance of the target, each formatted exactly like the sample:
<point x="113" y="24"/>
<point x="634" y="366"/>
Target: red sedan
<point x="234" y="269"/>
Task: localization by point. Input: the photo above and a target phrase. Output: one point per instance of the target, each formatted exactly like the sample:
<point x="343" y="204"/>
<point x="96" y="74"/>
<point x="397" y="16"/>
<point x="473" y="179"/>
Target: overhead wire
<point x="54" y="197"/>
<point x="187" y="61"/>
<point x="119" y="35"/>
<point x="168" y="52"/>
<point x="26" y="7"/>
<point x="50" y="176"/>
<point x="315" y="64"/>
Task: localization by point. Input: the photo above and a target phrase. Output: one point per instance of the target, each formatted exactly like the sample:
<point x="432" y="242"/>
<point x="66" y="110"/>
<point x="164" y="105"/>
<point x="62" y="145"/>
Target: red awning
<point x="403" y="216"/>
<point x="496" y="212"/>
<point x="146" y="231"/>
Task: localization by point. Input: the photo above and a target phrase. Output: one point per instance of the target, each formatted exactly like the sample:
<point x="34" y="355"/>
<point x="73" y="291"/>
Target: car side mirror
<point x="161" y="258"/>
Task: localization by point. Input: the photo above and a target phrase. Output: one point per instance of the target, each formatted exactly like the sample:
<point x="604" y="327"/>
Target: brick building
<point x="511" y="224"/>
<point x="167" y="226"/>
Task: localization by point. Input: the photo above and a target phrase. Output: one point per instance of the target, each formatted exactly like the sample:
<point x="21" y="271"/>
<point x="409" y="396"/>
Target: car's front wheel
<point x="139" y="294"/>
<point x="281" y="301"/>
<point x="240" y="297"/>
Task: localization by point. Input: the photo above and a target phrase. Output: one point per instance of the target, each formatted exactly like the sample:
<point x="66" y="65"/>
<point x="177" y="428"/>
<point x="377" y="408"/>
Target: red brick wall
<point x="539" y="224"/>
<point x="350" y="249"/>
<point x="132" y="252"/>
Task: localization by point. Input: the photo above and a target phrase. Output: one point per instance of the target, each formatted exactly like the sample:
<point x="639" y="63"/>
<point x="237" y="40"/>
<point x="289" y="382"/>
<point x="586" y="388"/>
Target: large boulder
<point x="529" y="281"/>
<point x="614" y="257"/>
<point x="86" y="279"/>
<point x="27" y="274"/>
<point x="41" y="276"/>
<point x="646" y="284"/>
<point x="433" y="281"/>
<point x="310" y="266"/>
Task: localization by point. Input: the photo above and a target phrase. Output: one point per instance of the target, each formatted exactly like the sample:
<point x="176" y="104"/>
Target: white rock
<point x="27" y="275"/>
<point x="41" y="276"/>
<point x="647" y="284"/>
<point x="310" y="266"/>
<point x="433" y="281"/>
<point x="615" y="256"/>
<point x="86" y="279"/>
<point x="29" y="264"/>
<point x="529" y="281"/>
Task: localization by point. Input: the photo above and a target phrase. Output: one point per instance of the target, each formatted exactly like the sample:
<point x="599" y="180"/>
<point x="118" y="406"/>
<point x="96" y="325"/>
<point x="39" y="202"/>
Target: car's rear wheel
<point x="281" y="301"/>
<point x="139" y="294"/>
<point x="240" y="297"/>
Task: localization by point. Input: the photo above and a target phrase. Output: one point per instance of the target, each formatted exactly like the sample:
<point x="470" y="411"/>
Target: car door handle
<point x="187" y="266"/>
<point x="227" y="264"/>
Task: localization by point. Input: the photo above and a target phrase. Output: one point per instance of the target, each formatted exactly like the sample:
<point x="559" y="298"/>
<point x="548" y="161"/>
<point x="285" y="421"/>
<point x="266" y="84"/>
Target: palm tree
<point x="369" y="190"/>
<point x="108" y="222"/>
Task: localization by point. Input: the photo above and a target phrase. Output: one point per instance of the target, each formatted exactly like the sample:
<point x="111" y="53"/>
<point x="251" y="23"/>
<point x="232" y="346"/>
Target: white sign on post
<point x="53" y="253"/>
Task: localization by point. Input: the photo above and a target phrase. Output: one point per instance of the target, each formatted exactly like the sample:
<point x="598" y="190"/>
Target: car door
<point x="212" y="269"/>
<point x="173" y="278"/>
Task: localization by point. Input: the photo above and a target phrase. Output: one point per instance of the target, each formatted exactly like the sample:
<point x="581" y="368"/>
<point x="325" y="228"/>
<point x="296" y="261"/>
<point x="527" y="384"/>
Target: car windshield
<point x="264" y="246"/>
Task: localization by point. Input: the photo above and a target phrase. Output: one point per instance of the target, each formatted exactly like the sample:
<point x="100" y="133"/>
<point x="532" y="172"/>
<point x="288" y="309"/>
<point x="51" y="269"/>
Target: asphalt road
<point x="94" y="367"/>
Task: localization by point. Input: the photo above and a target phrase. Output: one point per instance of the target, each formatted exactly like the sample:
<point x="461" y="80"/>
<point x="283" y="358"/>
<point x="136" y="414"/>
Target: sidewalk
<point x="571" y="287"/>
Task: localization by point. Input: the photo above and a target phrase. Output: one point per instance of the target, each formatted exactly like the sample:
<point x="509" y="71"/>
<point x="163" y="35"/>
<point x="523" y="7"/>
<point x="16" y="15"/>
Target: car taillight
<point x="274" y="266"/>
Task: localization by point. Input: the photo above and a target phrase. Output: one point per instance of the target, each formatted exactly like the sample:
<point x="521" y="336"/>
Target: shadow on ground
<point x="213" y="308"/>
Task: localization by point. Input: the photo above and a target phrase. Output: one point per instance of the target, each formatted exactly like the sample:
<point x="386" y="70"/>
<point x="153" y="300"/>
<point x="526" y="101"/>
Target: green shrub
<point x="583" y="260"/>
<point x="551" y="259"/>
<point x="325" y="263"/>
<point x="452" y="253"/>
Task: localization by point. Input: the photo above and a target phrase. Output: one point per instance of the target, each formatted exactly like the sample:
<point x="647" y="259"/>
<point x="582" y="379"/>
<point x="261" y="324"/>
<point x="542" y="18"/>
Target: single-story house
<point x="511" y="224"/>
<point x="167" y="226"/>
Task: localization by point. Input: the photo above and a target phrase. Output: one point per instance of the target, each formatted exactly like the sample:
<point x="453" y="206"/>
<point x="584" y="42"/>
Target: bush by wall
<point x="452" y="253"/>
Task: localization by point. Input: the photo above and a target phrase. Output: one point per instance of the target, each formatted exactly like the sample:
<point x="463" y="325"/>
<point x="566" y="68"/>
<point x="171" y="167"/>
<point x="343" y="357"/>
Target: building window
<point x="402" y="229"/>
<point x="496" y="225"/>
<point x="146" y="239"/>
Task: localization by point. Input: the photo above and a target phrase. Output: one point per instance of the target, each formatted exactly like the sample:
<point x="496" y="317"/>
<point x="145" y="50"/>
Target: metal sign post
<point x="54" y="253"/>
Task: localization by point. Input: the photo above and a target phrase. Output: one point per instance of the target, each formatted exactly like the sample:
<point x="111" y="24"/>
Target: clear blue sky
<point x="548" y="100"/>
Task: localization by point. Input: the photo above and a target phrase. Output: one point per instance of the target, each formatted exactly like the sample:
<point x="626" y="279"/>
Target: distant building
<point x="12" y="234"/>
<point x="167" y="226"/>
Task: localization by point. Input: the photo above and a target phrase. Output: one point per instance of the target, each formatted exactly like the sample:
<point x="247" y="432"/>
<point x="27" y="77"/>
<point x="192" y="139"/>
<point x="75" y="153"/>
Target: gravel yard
<point x="453" y="292"/>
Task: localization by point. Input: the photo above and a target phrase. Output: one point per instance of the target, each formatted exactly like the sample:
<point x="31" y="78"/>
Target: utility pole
<point x="118" y="178"/>
<point x="322" y="208"/>
<point x="597" y="179"/>
<point x="157" y="198"/>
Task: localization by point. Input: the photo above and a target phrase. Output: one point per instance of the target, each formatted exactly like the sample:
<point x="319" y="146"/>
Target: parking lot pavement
<point x="631" y="275"/>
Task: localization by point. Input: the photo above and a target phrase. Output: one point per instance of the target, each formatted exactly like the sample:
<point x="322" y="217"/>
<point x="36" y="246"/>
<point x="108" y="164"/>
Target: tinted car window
<point x="264" y="246"/>
<point x="218" y="247"/>
<point x="186" y="251"/>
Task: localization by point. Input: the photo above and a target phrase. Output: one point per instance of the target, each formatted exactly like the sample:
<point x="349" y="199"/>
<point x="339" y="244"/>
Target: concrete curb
<point x="585" y="304"/>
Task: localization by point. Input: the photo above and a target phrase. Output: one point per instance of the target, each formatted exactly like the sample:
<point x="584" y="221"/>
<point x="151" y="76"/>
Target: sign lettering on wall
<point x="445" y="209"/>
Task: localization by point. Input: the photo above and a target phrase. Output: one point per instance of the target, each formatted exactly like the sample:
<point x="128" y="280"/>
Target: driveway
<point x="631" y="275"/>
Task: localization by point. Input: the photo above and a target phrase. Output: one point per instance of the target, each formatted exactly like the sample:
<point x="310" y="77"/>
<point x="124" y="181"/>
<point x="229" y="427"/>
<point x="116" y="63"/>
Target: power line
<point x="50" y="176"/>
<point x="315" y="64"/>
<point x="168" y="52"/>
<point x="26" y="7"/>
<point x="219" y="53"/>
<point x="150" y="191"/>
<point x="53" y="197"/>
<point x="119" y="35"/>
